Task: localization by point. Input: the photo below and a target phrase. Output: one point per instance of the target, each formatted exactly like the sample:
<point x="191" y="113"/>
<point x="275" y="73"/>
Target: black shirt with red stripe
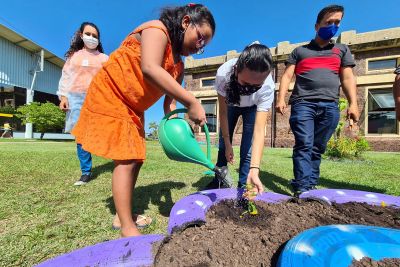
<point x="317" y="70"/>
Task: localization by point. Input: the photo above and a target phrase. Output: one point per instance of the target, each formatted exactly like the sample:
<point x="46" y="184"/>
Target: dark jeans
<point x="85" y="159"/>
<point x="312" y="123"/>
<point x="248" y="116"/>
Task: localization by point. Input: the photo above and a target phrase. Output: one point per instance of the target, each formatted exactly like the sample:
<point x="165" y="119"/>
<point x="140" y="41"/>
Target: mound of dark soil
<point x="229" y="240"/>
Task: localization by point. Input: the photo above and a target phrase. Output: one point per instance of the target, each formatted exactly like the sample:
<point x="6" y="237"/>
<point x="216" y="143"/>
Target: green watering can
<point x="179" y="143"/>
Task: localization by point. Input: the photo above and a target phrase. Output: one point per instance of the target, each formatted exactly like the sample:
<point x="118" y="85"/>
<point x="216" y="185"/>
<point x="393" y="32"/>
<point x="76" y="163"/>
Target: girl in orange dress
<point x="145" y="67"/>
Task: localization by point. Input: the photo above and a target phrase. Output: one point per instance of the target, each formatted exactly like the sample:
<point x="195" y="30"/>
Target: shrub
<point x="43" y="116"/>
<point x="346" y="147"/>
<point x="342" y="146"/>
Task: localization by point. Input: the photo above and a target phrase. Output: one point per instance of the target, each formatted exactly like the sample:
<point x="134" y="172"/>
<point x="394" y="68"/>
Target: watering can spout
<point x="222" y="175"/>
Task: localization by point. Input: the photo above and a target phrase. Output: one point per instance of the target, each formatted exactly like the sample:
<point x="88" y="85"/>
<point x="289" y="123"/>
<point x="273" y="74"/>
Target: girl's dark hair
<point x="77" y="42"/>
<point x="255" y="57"/>
<point x="329" y="9"/>
<point x="172" y="17"/>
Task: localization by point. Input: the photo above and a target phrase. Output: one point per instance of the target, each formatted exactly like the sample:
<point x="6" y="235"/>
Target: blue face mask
<point x="326" y="33"/>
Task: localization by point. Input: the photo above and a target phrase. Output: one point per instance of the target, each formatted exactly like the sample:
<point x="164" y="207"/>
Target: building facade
<point x="376" y="55"/>
<point x="19" y="59"/>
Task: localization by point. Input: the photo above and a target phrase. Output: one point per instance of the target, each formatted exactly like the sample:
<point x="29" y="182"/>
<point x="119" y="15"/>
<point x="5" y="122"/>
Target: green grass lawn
<point x="43" y="215"/>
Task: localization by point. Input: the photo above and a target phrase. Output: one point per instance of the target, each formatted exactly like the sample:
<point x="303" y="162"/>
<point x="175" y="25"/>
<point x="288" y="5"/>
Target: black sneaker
<point x="214" y="184"/>
<point x="223" y="176"/>
<point x="85" y="178"/>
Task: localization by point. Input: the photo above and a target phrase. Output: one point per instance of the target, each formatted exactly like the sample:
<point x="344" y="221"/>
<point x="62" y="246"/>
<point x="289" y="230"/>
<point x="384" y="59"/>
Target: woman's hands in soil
<point x="229" y="153"/>
<point x="64" y="105"/>
<point x="254" y="180"/>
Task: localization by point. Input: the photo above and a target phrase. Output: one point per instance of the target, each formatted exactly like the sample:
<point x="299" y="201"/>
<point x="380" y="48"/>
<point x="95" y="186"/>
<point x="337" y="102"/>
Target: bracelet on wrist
<point x="254" y="167"/>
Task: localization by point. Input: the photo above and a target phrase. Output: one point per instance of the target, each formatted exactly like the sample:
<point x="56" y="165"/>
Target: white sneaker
<point x="83" y="180"/>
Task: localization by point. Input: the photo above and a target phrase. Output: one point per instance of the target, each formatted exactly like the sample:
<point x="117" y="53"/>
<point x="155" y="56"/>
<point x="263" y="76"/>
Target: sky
<point x="52" y="23"/>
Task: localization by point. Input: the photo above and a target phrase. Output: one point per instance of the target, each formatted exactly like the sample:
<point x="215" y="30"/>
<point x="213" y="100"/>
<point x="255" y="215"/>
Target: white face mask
<point x="90" y="41"/>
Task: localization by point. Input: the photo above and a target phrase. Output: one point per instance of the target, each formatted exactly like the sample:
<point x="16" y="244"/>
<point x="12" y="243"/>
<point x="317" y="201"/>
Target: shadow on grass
<point x="271" y="182"/>
<point x="203" y="182"/>
<point x="157" y="194"/>
<point x="343" y="185"/>
<point x="103" y="168"/>
<point x="278" y="184"/>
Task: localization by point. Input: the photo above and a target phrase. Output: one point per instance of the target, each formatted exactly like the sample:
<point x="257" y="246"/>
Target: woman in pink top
<point x="84" y="59"/>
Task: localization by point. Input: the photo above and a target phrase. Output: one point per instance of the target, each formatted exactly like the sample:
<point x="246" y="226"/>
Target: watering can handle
<point x="184" y="110"/>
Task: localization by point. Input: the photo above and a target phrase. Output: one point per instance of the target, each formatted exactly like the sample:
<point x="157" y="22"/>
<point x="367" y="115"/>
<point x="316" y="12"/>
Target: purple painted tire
<point x="343" y="195"/>
<point x="137" y="251"/>
<point x="193" y="208"/>
<point x="130" y="251"/>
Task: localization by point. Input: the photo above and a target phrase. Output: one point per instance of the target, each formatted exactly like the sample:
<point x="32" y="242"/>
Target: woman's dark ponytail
<point x="255" y="57"/>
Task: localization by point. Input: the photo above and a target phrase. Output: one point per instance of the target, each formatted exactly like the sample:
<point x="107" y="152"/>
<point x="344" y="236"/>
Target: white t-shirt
<point x="263" y="98"/>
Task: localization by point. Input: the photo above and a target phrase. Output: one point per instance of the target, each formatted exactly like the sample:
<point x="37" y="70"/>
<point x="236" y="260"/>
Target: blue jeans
<point x="312" y="123"/>
<point x="248" y="116"/>
<point x="85" y="160"/>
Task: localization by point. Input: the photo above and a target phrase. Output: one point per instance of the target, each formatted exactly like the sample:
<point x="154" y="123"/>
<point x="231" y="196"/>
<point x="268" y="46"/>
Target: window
<point x="381" y="113"/>
<point x="210" y="106"/>
<point x="382" y="64"/>
<point x="207" y="82"/>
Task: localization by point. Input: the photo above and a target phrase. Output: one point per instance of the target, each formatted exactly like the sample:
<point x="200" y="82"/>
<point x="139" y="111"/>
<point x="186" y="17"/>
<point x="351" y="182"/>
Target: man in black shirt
<point x="321" y="67"/>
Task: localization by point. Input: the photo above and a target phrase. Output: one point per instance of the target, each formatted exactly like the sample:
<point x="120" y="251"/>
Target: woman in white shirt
<point x="245" y="88"/>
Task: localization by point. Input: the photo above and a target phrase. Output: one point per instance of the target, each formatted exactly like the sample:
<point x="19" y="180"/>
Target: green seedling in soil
<point x="248" y="197"/>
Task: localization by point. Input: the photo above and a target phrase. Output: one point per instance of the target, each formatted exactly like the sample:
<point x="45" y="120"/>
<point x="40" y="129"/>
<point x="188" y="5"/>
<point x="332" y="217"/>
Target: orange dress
<point x="111" y="123"/>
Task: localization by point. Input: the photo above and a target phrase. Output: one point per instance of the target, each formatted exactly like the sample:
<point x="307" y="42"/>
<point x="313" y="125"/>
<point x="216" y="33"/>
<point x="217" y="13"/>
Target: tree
<point x="43" y="116"/>
<point x="153" y="127"/>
